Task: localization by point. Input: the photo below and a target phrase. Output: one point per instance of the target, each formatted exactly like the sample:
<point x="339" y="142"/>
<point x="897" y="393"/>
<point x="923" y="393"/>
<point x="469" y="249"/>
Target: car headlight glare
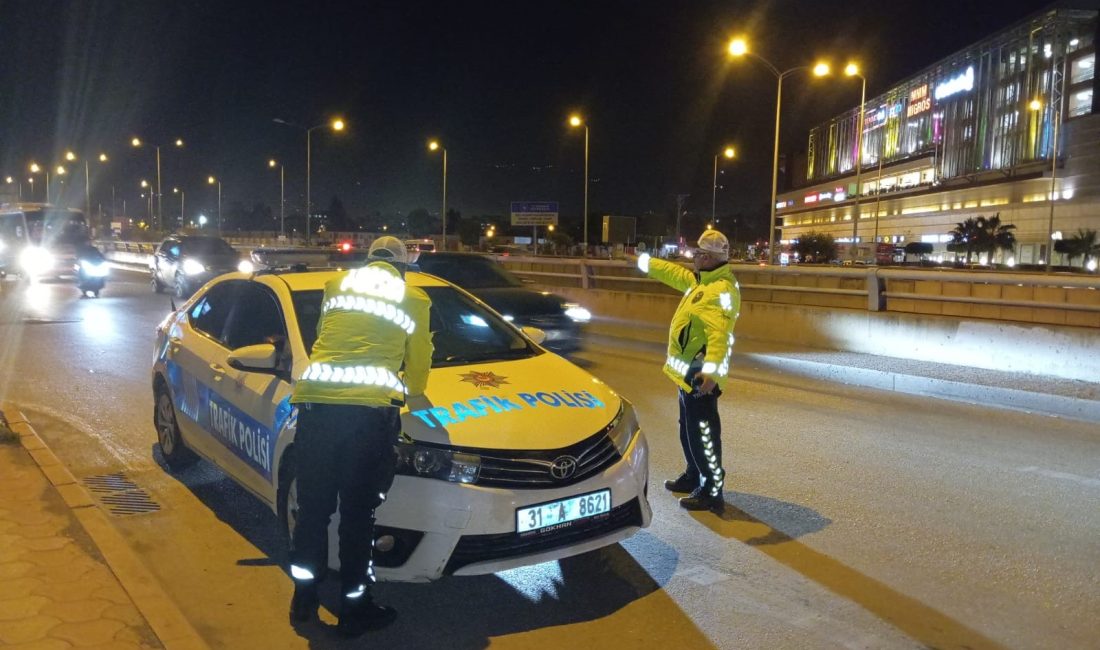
<point x="577" y="313"/>
<point x="246" y="266"/>
<point x="443" y="464"/>
<point x="192" y="267"/>
<point x="35" y="260"/>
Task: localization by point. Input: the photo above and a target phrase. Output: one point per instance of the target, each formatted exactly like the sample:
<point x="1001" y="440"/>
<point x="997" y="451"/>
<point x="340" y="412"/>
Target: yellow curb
<point x="161" y="613"/>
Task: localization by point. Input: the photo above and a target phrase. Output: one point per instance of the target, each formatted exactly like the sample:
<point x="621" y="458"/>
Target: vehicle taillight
<point x="345" y="246"/>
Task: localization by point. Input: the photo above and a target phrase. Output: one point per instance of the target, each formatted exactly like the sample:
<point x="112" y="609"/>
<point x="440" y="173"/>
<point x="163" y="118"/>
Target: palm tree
<point x="966" y="237"/>
<point x="1085" y="243"/>
<point x="996" y="236"/>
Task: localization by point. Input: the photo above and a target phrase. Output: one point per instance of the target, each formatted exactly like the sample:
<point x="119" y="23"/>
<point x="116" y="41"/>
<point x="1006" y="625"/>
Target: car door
<point x="253" y="408"/>
<point x="196" y="365"/>
<point x="167" y="259"/>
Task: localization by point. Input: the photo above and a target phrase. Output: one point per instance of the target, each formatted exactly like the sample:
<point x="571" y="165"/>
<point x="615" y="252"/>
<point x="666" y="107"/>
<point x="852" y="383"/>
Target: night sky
<point x="494" y="81"/>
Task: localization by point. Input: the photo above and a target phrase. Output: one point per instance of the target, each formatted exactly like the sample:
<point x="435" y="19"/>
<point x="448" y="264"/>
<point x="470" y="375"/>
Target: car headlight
<point x="624" y="428"/>
<point x="93" y="269"/>
<point x="35" y="260"/>
<point x="191" y="267"/>
<point x="246" y="266"/>
<point x="577" y="313"/>
<point x="432" y="462"/>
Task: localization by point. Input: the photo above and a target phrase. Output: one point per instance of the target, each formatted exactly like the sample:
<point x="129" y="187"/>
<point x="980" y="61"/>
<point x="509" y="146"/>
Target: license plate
<point x="555" y="513"/>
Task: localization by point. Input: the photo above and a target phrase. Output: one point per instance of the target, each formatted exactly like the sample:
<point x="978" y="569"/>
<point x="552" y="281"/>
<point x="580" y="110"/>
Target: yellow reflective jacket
<point x="703" y="323"/>
<point x="374" y="343"/>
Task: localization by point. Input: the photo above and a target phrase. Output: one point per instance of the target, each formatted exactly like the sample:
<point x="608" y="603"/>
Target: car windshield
<point x="468" y="272"/>
<point x="206" y="246"/>
<point x="463" y="331"/>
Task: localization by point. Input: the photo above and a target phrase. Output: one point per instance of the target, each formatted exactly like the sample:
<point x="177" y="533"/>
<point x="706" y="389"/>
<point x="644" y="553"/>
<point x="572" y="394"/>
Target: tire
<point x="175" y="453"/>
<point x="287" y="499"/>
<point x="158" y="286"/>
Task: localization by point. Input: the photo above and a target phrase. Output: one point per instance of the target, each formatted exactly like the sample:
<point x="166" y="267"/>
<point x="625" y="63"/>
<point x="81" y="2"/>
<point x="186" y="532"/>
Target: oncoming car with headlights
<point x="186" y="262"/>
<point x="512" y="457"/>
<point x="39" y="241"/>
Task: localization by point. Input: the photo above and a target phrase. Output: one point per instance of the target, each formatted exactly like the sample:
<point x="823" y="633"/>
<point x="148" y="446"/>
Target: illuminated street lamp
<point x="9" y="180"/>
<point x="282" y="196"/>
<point x="729" y="153"/>
<point x="435" y="146"/>
<point x="336" y="125"/>
<point x="183" y="197"/>
<point x="136" y="142"/>
<point x="576" y="121"/>
<point x="72" y="157"/>
<point x="210" y="180"/>
<point x="738" y="47"/>
<point x="35" y="169"/>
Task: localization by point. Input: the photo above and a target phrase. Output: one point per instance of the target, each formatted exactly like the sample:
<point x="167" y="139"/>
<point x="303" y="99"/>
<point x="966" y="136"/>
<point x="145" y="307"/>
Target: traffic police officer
<point x="373" y="349"/>
<point x="700" y="344"/>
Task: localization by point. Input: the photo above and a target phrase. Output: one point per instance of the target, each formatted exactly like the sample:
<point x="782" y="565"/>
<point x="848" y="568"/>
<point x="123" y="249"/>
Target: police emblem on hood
<point x="484" y="380"/>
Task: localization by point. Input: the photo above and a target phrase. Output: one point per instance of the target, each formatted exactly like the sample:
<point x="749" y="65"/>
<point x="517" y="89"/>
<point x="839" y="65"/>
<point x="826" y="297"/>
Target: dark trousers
<point x="346" y="452"/>
<point x="701" y="439"/>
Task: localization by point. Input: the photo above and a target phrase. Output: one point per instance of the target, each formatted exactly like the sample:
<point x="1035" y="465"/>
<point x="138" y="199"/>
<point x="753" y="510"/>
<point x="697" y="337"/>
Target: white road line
<point x="1064" y="476"/>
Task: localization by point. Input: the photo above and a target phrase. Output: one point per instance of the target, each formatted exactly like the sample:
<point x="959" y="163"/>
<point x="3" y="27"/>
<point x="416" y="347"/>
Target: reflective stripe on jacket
<point x="703" y="320"/>
<point x="374" y="343"/>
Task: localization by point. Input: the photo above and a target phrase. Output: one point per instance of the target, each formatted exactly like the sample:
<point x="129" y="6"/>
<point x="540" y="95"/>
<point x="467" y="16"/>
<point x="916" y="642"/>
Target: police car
<point x="513" y="456"/>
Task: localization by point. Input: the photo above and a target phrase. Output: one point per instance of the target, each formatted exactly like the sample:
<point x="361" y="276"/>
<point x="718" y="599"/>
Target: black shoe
<point x="683" y="483"/>
<point x="304" y="603"/>
<point x="359" y="617"/>
<point x="702" y="499"/>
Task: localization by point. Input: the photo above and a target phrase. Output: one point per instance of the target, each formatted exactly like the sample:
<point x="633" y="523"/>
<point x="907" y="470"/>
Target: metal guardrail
<point x="873" y="288"/>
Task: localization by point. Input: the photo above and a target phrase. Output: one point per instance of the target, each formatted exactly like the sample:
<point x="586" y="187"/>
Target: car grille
<point x="532" y="469"/>
<point x="479" y="548"/>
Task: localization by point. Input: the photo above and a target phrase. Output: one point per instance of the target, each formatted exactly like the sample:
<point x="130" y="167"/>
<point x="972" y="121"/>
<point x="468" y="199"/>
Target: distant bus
<point x="40" y="240"/>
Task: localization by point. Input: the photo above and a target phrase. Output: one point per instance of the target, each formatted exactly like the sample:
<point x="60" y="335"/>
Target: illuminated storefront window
<point x="1080" y="103"/>
<point x="1083" y="69"/>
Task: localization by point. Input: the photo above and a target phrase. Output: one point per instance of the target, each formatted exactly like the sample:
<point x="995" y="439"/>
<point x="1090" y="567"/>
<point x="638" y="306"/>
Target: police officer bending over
<point x="365" y="362"/>
<point x="700" y="344"/>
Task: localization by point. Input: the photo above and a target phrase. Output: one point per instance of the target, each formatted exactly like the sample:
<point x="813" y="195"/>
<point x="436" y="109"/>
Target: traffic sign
<point x="534" y="213"/>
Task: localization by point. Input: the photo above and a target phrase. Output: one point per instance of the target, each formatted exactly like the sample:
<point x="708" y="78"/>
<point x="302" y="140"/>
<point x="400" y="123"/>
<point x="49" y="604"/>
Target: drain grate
<point x="120" y="495"/>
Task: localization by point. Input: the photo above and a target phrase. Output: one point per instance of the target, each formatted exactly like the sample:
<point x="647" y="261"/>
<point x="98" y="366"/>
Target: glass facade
<point x="990" y="107"/>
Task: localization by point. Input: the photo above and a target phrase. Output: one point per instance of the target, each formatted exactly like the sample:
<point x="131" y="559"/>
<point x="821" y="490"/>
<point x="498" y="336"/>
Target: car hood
<point x="219" y="262"/>
<point x="519" y="302"/>
<point x="540" y="403"/>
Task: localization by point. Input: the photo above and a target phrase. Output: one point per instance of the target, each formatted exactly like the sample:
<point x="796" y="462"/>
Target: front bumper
<point x="448" y="528"/>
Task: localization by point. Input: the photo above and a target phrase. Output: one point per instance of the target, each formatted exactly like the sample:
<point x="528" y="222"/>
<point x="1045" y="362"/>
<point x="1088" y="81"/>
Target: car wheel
<point x="172" y="448"/>
<point x="181" y="286"/>
<point x="288" y="494"/>
<point x="158" y="286"/>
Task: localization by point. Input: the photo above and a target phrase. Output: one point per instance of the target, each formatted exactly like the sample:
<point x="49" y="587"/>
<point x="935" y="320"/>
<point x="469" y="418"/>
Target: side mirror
<point x="255" y="358"/>
<point x="534" y="333"/>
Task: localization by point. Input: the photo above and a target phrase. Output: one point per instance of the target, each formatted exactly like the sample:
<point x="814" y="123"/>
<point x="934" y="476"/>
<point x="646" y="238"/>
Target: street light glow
<point x="821" y="69"/>
<point x="102" y="157"/>
<point x="729" y="152"/>
<point x="70" y="156"/>
<point x="575" y="120"/>
<point x="136" y="142"/>
<point x="60" y="170"/>
<point x="35" y="168"/>
<point x="271" y="163"/>
<point x="433" y="145"/>
<point x="851" y="70"/>
<point x="144" y="183"/>
<point x="738" y="47"/>
<point x="211" y="180"/>
<point x="179" y="142"/>
<point x="1035" y="105"/>
<point x="9" y="180"/>
<point x="338" y="125"/>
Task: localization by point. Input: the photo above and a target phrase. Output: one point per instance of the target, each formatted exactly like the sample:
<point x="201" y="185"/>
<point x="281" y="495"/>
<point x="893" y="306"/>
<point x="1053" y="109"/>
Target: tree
<point x="1084" y="243"/>
<point x="965" y="237"/>
<point x="421" y="223"/>
<point x="996" y="236"/>
<point x="816" y="247"/>
<point x="337" y="216"/>
<point x="469" y="230"/>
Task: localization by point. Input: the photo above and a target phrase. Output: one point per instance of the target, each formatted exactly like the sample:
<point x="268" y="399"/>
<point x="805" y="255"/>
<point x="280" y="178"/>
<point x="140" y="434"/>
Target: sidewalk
<point x="67" y="578"/>
<point x="1054" y="396"/>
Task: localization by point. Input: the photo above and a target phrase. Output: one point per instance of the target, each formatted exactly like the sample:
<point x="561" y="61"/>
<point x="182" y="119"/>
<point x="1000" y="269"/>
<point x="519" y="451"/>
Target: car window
<point x="207" y="246"/>
<point x="463" y="331"/>
<point x="210" y="313"/>
<point x="256" y="318"/>
<point x="471" y="272"/>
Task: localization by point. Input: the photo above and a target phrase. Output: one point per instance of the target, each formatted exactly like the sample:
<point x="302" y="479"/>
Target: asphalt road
<point x="854" y="519"/>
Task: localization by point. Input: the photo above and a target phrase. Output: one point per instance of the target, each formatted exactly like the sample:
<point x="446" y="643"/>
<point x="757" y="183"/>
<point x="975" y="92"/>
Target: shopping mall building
<point x="1005" y="127"/>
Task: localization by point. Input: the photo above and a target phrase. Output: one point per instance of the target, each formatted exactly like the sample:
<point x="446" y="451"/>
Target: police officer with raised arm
<point x="373" y="349"/>
<point x="700" y="344"/>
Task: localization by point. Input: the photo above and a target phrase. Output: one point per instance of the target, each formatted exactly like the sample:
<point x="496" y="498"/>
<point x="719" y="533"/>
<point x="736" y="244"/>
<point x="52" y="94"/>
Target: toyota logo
<point x="563" y="467"/>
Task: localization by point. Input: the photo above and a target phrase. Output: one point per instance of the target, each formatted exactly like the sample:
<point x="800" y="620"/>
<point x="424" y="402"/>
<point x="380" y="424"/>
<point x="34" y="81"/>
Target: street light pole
<point x="738" y="47"/>
<point x="434" y="145"/>
<point x="282" y="197"/>
<point x="728" y="152"/>
<point x="337" y="125"/>
<point x="853" y="71"/>
<point x="575" y="121"/>
<point x="211" y="180"/>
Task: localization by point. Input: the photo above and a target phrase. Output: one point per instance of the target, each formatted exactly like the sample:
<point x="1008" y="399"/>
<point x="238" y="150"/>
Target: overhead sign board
<point x="534" y="213"/>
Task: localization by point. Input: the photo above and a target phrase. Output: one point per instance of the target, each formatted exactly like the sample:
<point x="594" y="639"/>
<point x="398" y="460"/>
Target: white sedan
<point x="514" y="456"/>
